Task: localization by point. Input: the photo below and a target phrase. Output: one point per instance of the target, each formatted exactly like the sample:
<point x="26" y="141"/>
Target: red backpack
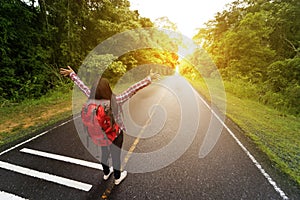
<point x="97" y="121"/>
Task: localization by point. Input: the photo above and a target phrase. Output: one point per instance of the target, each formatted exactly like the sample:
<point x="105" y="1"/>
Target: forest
<point x="39" y="37"/>
<point x="254" y="44"/>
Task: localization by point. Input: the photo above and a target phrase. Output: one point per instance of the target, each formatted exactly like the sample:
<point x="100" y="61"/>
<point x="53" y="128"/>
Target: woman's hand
<point x="66" y="72"/>
<point x="154" y="76"/>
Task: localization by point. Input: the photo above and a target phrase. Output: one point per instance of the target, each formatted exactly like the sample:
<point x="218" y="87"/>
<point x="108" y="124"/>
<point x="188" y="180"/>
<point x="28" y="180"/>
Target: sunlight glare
<point x="189" y="15"/>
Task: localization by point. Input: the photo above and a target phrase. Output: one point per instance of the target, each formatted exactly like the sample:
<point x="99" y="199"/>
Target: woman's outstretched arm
<point x="124" y="96"/>
<point x="70" y="72"/>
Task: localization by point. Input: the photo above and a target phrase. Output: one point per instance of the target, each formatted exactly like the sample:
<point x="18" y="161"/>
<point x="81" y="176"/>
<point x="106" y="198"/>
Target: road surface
<point x="56" y="163"/>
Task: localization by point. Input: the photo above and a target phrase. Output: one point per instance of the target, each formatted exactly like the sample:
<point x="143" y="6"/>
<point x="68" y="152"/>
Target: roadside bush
<point x="243" y="89"/>
<point x="287" y="100"/>
<point x="282" y="85"/>
<point x="292" y="95"/>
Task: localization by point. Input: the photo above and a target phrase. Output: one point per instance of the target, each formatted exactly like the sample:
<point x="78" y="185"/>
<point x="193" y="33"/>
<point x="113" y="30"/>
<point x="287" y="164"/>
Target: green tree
<point x="285" y="38"/>
<point x="247" y="49"/>
<point x="258" y="41"/>
<point x="39" y="36"/>
<point x="22" y="55"/>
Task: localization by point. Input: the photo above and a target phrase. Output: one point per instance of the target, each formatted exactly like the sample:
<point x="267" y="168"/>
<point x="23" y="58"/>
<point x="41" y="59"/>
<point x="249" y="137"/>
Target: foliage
<point x="38" y="37"/>
<point x="284" y="80"/>
<point x="106" y="65"/>
<point x="21" y="53"/>
<point x="258" y="42"/>
<point x="124" y="52"/>
<point x="150" y="56"/>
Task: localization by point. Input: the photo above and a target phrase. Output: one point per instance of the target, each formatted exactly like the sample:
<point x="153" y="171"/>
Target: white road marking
<point x="8" y="196"/>
<point x="45" y="176"/>
<point x="256" y="163"/>
<point x="63" y="158"/>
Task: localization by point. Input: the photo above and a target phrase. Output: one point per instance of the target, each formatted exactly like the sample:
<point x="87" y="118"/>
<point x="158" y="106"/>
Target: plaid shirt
<point x="120" y="99"/>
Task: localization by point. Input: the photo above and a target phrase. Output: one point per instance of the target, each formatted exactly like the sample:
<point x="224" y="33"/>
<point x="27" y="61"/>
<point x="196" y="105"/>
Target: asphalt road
<point x="166" y="129"/>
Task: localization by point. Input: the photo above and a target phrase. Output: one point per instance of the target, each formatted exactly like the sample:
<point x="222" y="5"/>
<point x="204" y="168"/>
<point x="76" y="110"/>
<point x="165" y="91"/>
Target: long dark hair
<point x="102" y="90"/>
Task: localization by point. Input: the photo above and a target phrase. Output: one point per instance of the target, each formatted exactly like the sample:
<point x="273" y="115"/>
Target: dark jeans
<point x="115" y="150"/>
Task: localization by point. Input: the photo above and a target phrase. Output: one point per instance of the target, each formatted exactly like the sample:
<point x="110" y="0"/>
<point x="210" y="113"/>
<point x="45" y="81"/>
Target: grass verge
<point x="274" y="132"/>
<point x="19" y="120"/>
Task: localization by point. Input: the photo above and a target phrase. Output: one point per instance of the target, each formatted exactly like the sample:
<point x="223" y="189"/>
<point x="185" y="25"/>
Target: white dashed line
<point x="63" y="158"/>
<point x="44" y="176"/>
<point x="9" y="196"/>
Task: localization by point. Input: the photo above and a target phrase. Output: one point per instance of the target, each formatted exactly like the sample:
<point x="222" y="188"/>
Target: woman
<point x="101" y="90"/>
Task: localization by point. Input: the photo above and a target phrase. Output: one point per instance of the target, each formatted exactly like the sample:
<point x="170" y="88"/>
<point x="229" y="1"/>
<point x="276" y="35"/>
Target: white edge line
<point x="5" y="195"/>
<point x="256" y="163"/>
<point x="63" y="158"/>
<point x="45" y="176"/>
<point x="33" y="138"/>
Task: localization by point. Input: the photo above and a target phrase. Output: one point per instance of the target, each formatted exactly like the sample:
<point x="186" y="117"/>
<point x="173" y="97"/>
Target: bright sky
<point x="187" y="14"/>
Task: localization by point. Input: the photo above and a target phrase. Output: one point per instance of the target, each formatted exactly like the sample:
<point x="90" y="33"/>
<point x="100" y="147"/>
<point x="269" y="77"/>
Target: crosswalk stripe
<point x="63" y="158"/>
<point x="9" y="196"/>
<point x="45" y="176"/>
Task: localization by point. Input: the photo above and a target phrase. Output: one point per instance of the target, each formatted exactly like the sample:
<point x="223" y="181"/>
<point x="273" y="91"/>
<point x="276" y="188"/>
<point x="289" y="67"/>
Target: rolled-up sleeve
<point x="124" y="96"/>
<point x="80" y="84"/>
